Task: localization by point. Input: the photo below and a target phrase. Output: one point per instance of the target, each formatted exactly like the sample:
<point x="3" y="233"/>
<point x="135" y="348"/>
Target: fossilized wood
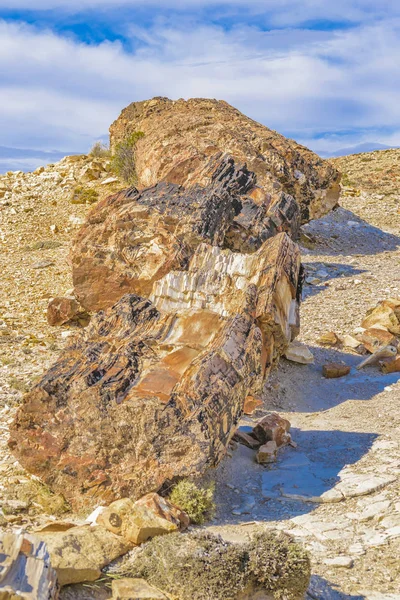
<point x="132" y="239"/>
<point x="180" y="137"/>
<point x="25" y="570"/>
<point x="154" y="389"/>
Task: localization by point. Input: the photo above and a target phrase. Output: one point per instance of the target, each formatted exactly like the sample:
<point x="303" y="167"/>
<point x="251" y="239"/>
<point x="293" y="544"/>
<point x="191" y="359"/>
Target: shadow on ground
<point x="248" y="491"/>
<point x="320" y="589"/>
<point x="316" y="393"/>
<point x="344" y="233"/>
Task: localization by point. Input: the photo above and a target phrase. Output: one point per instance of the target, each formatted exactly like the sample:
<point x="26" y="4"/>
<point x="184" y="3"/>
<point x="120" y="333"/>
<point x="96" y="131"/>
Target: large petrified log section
<point x="155" y="387"/>
<point x="197" y="279"/>
<point x="181" y="136"/>
<point x="132" y="239"/>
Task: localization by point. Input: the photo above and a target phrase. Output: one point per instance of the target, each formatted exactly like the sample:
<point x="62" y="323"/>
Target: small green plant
<point x="197" y="502"/>
<point x="123" y="160"/>
<point x="84" y="195"/>
<point x="99" y="150"/>
<point x="18" y="385"/>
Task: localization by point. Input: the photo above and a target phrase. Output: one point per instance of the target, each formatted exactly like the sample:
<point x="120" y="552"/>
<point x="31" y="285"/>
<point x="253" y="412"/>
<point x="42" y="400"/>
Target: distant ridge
<point x="358" y="149"/>
<point x="27" y="159"/>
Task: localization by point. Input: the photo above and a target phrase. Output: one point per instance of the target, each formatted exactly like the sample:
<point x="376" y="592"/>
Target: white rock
<point x="344" y="562"/>
<point x="109" y="180"/>
<point x="299" y="353"/>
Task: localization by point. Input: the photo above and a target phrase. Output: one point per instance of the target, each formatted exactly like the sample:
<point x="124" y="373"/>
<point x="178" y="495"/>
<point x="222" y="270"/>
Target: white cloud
<point x="57" y="92"/>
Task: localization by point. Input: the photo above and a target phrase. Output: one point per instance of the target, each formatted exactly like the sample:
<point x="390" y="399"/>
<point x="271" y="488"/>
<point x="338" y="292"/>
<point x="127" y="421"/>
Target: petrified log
<point x="154" y="389"/>
<point x="25" y="570"/>
<point x="180" y="137"/>
<point x="133" y="239"/>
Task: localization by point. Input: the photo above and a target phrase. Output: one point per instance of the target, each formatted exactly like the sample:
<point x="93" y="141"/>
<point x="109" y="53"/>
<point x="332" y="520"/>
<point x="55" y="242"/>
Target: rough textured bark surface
<point x="181" y="136"/>
<point x="25" y="570"/>
<point x="155" y="387"/>
<point x="133" y="239"/>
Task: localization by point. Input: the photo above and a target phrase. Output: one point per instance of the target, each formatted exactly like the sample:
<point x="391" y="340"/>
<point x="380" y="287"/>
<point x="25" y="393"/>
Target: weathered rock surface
<point x="62" y="310"/>
<point x="80" y="553"/>
<point x="180" y="137"/>
<point x="272" y="428"/>
<point x="133" y="239"/>
<point x="135" y="589"/>
<point x="155" y="388"/>
<point x="25" y="569"/>
<point x="139" y="521"/>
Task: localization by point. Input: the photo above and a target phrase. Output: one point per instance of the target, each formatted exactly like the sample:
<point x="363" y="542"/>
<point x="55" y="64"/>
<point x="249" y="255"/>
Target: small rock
<point x="246" y="440"/>
<point x="109" y="180"/>
<point x="335" y="370"/>
<point x="251" y="404"/>
<point x="137" y="522"/>
<point x="135" y="589"/>
<point x="272" y="428"/>
<point x="329" y="339"/>
<point x="350" y="342"/>
<point x="43" y="264"/>
<point x="80" y="553"/>
<point x="299" y="353"/>
<point x="344" y="562"/>
<point x="267" y="453"/>
<point x="61" y="310"/>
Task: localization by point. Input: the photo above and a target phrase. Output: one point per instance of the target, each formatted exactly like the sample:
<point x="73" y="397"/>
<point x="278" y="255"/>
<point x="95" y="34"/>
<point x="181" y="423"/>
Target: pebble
<point x="344" y="562"/>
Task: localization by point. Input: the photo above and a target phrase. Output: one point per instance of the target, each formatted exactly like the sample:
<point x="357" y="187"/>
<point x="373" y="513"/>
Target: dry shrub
<point x="197" y="502"/>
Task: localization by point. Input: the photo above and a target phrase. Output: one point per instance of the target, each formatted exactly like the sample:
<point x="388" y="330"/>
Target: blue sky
<point x="324" y="73"/>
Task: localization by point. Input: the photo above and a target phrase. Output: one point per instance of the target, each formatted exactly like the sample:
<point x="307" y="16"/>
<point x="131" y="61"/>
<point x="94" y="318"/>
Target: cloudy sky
<point x="325" y="72"/>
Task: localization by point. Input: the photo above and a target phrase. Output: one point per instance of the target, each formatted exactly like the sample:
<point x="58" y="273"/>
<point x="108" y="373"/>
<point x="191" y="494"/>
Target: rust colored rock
<point x="391" y="366"/>
<point x="180" y="137"/>
<point x="154" y="389"/>
<point x="62" y="310"/>
<point x="374" y="337"/>
<point x="335" y="370"/>
<point x="273" y="428"/>
<point x="139" y="521"/>
<point x="251" y="404"/>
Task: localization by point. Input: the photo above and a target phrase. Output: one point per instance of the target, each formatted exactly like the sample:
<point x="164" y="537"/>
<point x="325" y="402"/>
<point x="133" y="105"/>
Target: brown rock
<point x="137" y="522"/>
<point x="25" y="569"/>
<point x="267" y="453"/>
<point x="80" y="553"/>
<point x="251" y="404"/>
<point x="335" y="370"/>
<point x="392" y="366"/>
<point x="374" y="337"/>
<point x="135" y="589"/>
<point x="154" y="389"/>
<point x="246" y="440"/>
<point x="180" y="137"/>
<point x="61" y="310"/>
<point x="386" y="314"/>
<point x="329" y="339"/>
<point x="272" y="428"/>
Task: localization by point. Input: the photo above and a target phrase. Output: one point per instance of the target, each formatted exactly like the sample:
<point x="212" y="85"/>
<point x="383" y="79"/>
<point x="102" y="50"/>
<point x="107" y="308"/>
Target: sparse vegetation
<point x="123" y="160"/>
<point x="84" y="195"/>
<point x="197" y="502"/>
<point x="100" y="150"/>
<point x="36" y="493"/>
<point x="200" y="565"/>
<point x="18" y="384"/>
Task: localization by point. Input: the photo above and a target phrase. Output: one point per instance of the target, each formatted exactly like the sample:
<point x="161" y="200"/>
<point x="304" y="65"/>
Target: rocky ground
<point x="346" y="430"/>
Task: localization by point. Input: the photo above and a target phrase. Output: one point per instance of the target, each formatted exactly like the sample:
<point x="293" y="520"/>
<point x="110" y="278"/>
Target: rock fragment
<point x="329" y="339"/>
<point x="80" y="553"/>
<point x="25" y="568"/>
<point x="299" y="353"/>
<point x="335" y="370"/>
<point x="135" y="589"/>
<point x="62" y="310"/>
<point x="386" y="314"/>
<point x="267" y="453"/>
<point x="392" y="366"/>
<point x="273" y="428"/>
<point x="139" y="521"/>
